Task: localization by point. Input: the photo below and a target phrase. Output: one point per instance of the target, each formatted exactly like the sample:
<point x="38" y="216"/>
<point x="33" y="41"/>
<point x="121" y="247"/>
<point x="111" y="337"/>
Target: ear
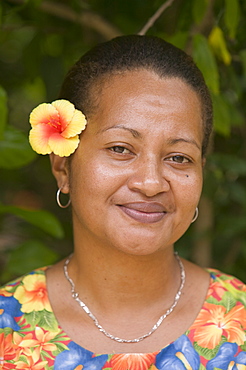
<point x="59" y="166"/>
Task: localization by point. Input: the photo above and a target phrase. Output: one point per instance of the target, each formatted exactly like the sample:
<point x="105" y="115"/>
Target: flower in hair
<point x="56" y="128"/>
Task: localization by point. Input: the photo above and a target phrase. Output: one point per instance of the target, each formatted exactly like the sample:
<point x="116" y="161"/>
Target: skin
<point x="134" y="182"/>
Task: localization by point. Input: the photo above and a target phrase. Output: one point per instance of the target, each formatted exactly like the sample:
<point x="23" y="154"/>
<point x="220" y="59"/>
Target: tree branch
<point x="85" y="18"/>
<point x="88" y="19"/>
<point x="154" y="17"/>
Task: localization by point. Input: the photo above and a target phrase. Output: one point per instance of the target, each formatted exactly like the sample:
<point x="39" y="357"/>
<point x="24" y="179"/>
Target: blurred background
<point x="40" y="40"/>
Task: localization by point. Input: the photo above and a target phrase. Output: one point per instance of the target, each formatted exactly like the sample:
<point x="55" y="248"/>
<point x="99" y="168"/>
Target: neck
<point x="103" y="275"/>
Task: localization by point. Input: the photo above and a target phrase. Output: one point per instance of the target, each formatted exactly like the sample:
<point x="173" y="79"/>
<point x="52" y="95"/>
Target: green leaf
<point x="243" y="59"/>
<point x="212" y="300"/>
<point x="6" y="331"/>
<point x="32" y="318"/>
<point x="222" y="122"/>
<point x="40" y="218"/>
<point x="3" y="111"/>
<point x="178" y="39"/>
<point x="218" y="44"/>
<point x="206" y="62"/>
<point x="199" y="9"/>
<point x="47" y="321"/>
<point x="15" y="150"/>
<point x="228" y="162"/>
<point x="228" y="301"/>
<point x="201" y="367"/>
<point x="60" y="348"/>
<point x="243" y="347"/>
<point x="23" y="358"/>
<point x="206" y="352"/>
<point x="231" y="16"/>
<point x="29" y="256"/>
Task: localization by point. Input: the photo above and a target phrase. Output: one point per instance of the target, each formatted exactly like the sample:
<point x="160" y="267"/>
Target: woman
<point x="124" y="299"/>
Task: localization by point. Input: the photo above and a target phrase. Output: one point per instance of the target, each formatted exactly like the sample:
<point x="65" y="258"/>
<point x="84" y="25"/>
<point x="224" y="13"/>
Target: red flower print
<point x="7" y="351"/>
<point x="136" y="361"/>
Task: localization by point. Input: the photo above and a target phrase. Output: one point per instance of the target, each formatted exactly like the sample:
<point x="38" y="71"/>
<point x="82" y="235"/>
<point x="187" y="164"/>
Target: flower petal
<point x="63" y="147"/>
<point x="65" y="110"/>
<point x="208" y="336"/>
<point x="77" y="125"/>
<point x="39" y="138"/>
<point x="224" y="356"/>
<point x="42" y="114"/>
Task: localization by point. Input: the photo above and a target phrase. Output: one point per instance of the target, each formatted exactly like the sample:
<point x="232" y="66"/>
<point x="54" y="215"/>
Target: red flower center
<point x="55" y="122"/>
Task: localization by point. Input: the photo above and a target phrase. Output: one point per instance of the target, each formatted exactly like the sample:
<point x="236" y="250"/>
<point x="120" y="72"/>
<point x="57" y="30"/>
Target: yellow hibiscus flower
<point x="56" y="128"/>
<point x="33" y="294"/>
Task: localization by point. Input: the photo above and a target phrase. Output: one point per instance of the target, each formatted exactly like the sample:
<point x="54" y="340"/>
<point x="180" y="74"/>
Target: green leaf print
<point x="207" y="353"/>
<point x="6" y="331"/>
<point x="228" y="301"/>
<point x="243" y="347"/>
<point x="47" y="321"/>
<point x="212" y="300"/>
<point x="33" y="318"/>
<point x="201" y="367"/>
<point x="60" y="348"/>
<point x="23" y="359"/>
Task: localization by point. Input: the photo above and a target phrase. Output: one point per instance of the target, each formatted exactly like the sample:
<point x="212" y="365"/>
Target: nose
<point x="149" y="178"/>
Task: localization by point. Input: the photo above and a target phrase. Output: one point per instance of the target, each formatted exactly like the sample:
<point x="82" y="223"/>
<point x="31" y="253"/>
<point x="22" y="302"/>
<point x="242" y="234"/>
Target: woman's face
<point x="136" y="177"/>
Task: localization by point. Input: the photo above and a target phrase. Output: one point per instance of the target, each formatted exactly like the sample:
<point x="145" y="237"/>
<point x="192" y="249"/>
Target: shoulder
<point x="15" y="295"/>
<point x="8" y="289"/>
<point x="224" y="285"/>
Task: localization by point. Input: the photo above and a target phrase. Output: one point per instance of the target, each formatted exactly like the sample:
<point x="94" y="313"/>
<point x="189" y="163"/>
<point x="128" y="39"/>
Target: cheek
<point x="189" y="190"/>
<point x="92" y="179"/>
<point x="186" y="186"/>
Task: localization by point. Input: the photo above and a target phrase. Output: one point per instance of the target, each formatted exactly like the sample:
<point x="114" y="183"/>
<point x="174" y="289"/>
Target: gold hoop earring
<point x="196" y="215"/>
<point x="58" y="200"/>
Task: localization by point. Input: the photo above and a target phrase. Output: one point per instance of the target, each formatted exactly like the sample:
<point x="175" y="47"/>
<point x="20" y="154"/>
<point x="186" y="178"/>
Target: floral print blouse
<point x="31" y="338"/>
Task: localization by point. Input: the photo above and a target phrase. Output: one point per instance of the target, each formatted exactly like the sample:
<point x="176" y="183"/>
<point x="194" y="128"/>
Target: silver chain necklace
<point x="75" y="295"/>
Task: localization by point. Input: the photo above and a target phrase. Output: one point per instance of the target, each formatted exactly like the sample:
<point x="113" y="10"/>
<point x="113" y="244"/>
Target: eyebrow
<point x="135" y="133"/>
<point x="138" y="135"/>
<point x="184" y="140"/>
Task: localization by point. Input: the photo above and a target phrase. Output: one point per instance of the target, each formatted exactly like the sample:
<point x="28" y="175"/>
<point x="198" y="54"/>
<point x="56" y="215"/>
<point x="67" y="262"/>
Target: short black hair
<point x="134" y="52"/>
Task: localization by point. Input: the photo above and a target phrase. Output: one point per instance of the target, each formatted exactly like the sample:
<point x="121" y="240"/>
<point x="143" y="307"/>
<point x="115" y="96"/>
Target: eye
<point x="120" y="149"/>
<point x="179" y="159"/>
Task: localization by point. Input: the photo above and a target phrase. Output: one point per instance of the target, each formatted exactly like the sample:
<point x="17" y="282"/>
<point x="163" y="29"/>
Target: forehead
<point x="132" y="86"/>
<point x="143" y="92"/>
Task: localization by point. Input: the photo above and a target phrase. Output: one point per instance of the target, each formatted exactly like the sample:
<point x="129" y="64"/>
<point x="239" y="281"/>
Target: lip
<point x="144" y="212"/>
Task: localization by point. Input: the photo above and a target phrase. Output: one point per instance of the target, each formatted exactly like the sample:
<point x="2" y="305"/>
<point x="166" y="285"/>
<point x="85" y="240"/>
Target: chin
<point x="142" y="248"/>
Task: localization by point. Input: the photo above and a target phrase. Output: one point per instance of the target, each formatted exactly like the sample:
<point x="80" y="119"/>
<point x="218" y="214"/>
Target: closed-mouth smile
<point x="144" y="212"/>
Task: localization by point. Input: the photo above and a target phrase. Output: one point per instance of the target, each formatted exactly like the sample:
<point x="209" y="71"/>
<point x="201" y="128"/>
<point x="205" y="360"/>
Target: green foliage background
<point x="40" y="40"/>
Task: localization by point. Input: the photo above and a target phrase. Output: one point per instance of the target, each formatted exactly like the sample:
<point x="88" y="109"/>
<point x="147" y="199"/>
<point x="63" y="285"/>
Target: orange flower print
<point x="136" y="361"/>
<point x="33" y="294"/>
<point x="213" y="322"/>
<point x="40" y="343"/>
<point x="216" y="290"/>
<point x="55" y="128"/>
<point x="31" y="363"/>
<point x="21" y="343"/>
<point x="7" y="351"/>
